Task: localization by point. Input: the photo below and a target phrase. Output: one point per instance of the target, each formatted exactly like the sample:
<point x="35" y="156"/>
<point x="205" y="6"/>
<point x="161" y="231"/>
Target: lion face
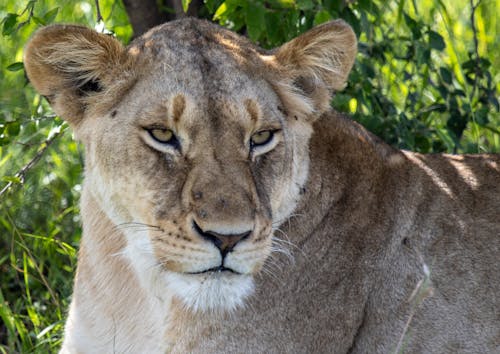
<point x="196" y="145"/>
<point x="197" y="173"/>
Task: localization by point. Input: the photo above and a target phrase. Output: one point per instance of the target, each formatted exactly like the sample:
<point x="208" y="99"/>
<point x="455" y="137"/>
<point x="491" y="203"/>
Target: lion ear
<point x="68" y="64"/>
<point x="316" y="64"/>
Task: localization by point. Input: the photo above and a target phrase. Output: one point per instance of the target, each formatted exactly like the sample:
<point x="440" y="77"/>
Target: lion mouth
<point x="218" y="269"/>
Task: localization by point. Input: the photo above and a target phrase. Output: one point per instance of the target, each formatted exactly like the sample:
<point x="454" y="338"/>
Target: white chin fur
<point x="211" y="292"/>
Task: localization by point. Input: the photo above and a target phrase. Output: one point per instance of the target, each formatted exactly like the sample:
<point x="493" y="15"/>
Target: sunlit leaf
<point x="50" y="15"/>
<point x="185" y="5"/>
<point x="221" y="10"/>
<point x="11" y="179"/>
<point x="38" y="20"/>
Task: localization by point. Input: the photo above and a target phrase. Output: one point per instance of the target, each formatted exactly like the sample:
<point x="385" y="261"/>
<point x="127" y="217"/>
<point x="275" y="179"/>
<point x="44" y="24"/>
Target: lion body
<point x="383" y="249"/>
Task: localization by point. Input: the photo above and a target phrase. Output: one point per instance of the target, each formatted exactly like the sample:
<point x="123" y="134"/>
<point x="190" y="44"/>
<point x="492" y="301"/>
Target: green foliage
<point x="426" y="79"/>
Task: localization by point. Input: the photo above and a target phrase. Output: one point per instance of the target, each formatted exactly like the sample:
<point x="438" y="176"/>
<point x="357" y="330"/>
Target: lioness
<point x="207" y="158"/>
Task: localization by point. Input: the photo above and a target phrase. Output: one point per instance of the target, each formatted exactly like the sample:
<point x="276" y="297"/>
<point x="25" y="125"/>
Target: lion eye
<point x="261" y="138"/>
<point x="164" y="136"/>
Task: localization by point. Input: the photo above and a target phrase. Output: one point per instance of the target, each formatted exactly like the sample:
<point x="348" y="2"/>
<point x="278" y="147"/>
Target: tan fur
<point x="335" y="229"/>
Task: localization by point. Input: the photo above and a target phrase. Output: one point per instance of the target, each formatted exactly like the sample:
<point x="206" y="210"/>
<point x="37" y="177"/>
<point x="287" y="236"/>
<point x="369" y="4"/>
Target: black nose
<point x="224" y="242"/>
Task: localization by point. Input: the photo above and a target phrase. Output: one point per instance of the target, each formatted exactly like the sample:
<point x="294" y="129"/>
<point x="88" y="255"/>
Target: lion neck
<point x="348" y="181"/>
<point x="342" y="222"/>
<point x="108" y="300"/>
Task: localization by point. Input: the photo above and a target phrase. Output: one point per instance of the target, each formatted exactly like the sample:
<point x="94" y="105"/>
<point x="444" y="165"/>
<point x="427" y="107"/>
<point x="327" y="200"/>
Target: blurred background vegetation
<point x="426" y="79"/>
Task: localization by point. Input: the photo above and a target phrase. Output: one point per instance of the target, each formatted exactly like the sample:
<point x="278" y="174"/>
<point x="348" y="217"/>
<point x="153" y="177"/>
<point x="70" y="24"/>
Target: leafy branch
<point x="20" y="176"/>
<point x="11" y="22"/>
<point x="31" y="8"/>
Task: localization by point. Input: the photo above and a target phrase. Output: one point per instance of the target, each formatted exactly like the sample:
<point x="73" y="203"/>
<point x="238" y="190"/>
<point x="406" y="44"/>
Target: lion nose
<point x="224" y="242"/>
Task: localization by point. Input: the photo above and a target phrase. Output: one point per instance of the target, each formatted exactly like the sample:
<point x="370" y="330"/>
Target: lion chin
<point x="211" y="291"/>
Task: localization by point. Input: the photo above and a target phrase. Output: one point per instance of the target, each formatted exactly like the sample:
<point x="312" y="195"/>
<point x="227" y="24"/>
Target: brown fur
<point x="364" y="223"/>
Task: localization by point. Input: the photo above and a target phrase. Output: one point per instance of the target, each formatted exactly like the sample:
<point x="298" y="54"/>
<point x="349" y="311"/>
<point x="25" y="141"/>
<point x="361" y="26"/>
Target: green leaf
<point x="369" y="6"/>
<point x="422" y="143"/>
<point x="484" y="63"/>
<point x="4" y="140"/>
<point x="321" y="17"/>
<point x="494" y="101"/>
<point x="414" y="26"/>
<point x="466" y="108"/>
<point x="185" y="5"/>
<point x="351" y="18"/>
<point x="12" y="179"/>
<point x="423" y="55"/>
<point x="210" y="5"/>
<point x="13" y="128"/>
<point x="255" y="19"/>
<point x="222" y="10"/>
<point x="469" y="65"/>
<point x="50" y="15"/>
<point x="280" y="4"/>
<point x="38" y="21"/>
<point x="481" y="115"/>
<point x="274" y="33"/>
<point x="411" y="23"/>
<point x="9" y="24"/>
<point x="16" y="66"/>
<point x="445" y="75"/>
<point x="456" y="123"/>
<point x="436" y="41"/>
<point x="305" y="4"/>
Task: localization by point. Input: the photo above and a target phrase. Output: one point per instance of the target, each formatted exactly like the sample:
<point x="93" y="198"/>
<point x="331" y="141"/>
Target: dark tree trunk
<point x="145" y="14"/>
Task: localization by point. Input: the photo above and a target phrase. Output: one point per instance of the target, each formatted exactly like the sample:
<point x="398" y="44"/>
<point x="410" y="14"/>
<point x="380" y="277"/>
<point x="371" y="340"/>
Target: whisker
<point x="137" y="224"/>
<point x="288" y="218"/>
<point x="284" y="252"/>
<point x="267" y="269"/>
<point x="157" y="265"/>
<point x="283" y="241"/>
<point x="279" y="263"/>
<point x="286" y="241"/>
<point x="119" y="253"/>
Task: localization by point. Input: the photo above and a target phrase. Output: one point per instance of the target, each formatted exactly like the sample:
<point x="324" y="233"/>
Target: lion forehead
<point x="198" y="56"/>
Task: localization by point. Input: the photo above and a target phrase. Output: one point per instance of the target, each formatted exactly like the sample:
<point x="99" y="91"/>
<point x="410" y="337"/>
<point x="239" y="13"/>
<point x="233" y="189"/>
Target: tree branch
<point x="98" y="12"/>
<point x="145" y="14"/>
<point x="474" y="7"/>
<point x="21" y="174"/>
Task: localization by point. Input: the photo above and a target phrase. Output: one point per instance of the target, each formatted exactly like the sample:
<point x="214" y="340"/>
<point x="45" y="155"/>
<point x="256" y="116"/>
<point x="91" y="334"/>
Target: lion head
<point x="196" y="142"/>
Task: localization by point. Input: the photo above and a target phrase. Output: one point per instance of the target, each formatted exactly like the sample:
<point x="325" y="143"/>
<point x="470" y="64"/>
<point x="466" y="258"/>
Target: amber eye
<point x="261" y="138"/>
<point x="164" y="136"/>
